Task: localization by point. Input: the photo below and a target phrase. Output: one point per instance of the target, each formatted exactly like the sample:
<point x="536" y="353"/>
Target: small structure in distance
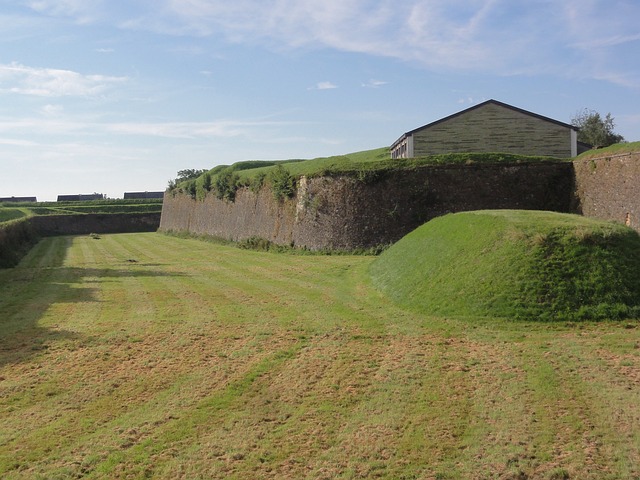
<point x="83" y="197"/>
<point x="18" y="199"/>
<point x="143" y="195"/>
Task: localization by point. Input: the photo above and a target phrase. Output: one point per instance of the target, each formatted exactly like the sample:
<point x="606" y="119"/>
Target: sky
<point x="114" y="96"/>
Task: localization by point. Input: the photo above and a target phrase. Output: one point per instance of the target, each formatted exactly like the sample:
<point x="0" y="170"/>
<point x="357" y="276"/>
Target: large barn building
<point x="491" y="126"/>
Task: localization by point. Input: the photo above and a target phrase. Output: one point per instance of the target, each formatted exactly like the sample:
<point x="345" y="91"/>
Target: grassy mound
<point x="515" y="264"/>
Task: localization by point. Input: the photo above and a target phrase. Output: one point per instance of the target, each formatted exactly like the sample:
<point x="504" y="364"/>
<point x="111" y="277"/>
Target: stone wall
<point x="48" y="225"/>
<point x="347" y="213"/>
<point x="609" y="188"/>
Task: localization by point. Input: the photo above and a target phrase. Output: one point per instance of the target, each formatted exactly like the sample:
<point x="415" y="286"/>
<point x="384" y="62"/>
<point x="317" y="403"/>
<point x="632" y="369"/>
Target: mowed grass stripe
<point x="204" y="361"/>
<point x="598" y="387"/>
<point x="124" y="300"/>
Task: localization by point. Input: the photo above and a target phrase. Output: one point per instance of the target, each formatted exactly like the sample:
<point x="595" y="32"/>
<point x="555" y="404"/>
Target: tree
<point x="184" y="175"/>
<point x="283" y="184"/>
<point x="226" y="185"/>
<point x="595" y="130"/>
<point x="206" y="182"/>
<point x="188" y="174"/>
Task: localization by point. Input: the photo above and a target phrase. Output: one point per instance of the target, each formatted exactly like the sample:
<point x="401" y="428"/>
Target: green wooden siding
<point x="493" y="128"/>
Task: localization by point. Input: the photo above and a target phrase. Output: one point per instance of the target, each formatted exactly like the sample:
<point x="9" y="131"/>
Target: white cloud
<point x="324" y="86"/>
<point x="84" y="11"/>
<point x="42" y="126"/>
<point x="184" y="130"/>
<point x="489" y="36"/>
<point x="17" y="142"/>
<point x="470" y="100"/>
<point x="52" y="124"/>
<point x="52" y="110"/>
<point x="374" y="83"/>
<point x="497" y="36"/>
<point x="49" y="82"/>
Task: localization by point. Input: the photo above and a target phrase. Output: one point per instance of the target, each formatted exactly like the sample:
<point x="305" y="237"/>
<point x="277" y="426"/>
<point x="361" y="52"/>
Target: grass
<point x="617" y="149"/>
<point x="367" y="165"/>
<point x="379" y="159"/>
<point x="151" y="356"/>
<point x="516" y="264"/>
<point x="9" y="214"/>
<point x="74" y="208"/>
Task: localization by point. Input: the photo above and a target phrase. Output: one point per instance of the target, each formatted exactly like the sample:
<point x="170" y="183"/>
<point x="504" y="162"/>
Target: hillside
<point x="515" y="264"/>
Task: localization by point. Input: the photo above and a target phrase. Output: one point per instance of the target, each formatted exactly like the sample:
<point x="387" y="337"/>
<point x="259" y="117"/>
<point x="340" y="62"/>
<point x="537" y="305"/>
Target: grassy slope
<point x="204" y="361"/>
<point x="616" y="149"/>
<point x="9" y="214"/>
<point x="357" y="163"/>
<point x="515" y="264"/>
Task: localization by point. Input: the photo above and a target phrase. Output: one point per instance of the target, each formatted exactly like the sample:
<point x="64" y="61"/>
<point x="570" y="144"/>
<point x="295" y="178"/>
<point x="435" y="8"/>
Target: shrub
<point x="283" y="184"/>
<point x="226" y="185"/>
<point x="256" y="183"/>
<point x="206" y="182"/>
<point x="255" y="243"/>
<point x="191" y="188"/>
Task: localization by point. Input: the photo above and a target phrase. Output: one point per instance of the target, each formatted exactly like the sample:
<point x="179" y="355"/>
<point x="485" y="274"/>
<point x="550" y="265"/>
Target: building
<point x="142" y="195"/>
<point x="491" y="126"/>
<point x="81" y="197"/>
<point x="18" y="199"/>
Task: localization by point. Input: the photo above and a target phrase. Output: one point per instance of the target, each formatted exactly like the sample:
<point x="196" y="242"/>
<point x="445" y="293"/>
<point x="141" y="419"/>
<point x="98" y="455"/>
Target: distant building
<point x="491" y="126"/>
<point x="142" y="195"/>
<point x="18" y="199"/>
<point x="81" y="197"/>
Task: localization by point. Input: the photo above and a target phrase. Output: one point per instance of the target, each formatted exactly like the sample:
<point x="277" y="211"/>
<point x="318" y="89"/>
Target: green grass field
<point x="149" y="356"/>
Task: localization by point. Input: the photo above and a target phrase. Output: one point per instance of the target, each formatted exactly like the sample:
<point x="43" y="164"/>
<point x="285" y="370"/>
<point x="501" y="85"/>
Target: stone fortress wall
<point x="347" y="213"/>
<point x="608" y="187"/>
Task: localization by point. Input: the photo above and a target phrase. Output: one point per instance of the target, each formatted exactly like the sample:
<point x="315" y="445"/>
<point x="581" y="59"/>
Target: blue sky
<point x="111" y="96"/>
